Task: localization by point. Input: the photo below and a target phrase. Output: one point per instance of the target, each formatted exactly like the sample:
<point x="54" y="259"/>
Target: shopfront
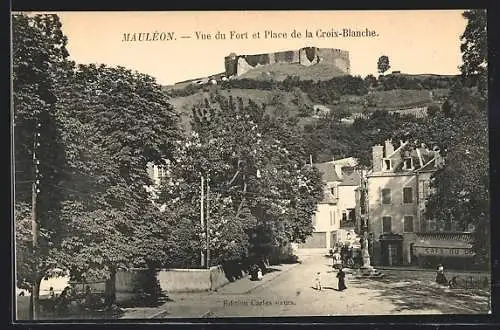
<point x="454" y="250"/>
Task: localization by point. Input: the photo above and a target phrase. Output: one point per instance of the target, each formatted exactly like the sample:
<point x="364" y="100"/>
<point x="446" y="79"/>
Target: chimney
<point x="389" y="148"/>
<point x="377" y="155"/>
<point x="338" y="170"/>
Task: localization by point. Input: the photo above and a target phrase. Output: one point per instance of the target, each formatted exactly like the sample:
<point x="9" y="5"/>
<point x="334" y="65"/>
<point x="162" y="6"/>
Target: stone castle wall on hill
<point x="236" y="65"/>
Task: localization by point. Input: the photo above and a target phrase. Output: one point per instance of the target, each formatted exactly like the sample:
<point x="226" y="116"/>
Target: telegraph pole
<point x="202" y="222"/>
<point x="208" y="222"/>
<point x="35" y="230"/>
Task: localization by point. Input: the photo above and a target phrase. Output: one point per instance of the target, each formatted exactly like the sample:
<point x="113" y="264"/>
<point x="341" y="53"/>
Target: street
<point x="289" y="292"/>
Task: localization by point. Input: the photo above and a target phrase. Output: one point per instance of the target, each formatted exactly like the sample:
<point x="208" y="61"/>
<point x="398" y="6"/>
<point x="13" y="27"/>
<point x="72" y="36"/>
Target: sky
<point x="416" y="41"/>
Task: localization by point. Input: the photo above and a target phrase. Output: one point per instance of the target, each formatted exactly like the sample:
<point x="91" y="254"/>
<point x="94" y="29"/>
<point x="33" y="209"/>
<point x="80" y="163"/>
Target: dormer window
<point x="386" y="164"/>
<point x="408" y="163"/>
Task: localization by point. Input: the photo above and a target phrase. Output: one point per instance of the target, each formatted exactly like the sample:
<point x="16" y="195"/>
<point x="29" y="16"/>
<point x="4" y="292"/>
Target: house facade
<point x="334" y="219"/>
<point x="391" y="204"/>
<point x="395" y="195"/>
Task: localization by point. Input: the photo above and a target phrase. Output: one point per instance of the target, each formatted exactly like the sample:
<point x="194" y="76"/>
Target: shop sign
<point x="443" y="251"/>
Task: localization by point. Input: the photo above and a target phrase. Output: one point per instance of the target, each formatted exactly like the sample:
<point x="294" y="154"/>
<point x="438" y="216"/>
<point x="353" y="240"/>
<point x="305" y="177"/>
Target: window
<point x="407" y="195"/>
<point x="332" y="218"/>
<point x="408" y="224"/>
<point x="344" y="216"/>
<point x="387" y="165"/>
<point x="161" y="171"/>
<point x="334" y="191"/>
<point x="386" y="224"/>
<point x="314" y="219"/>
<point x="408" y="163"/>
<point x="386" y="196"/>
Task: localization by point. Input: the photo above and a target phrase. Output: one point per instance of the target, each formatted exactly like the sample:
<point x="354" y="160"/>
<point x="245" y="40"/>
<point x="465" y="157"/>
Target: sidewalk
<point x="245" y="285"/>
<point x="182" y="303"/>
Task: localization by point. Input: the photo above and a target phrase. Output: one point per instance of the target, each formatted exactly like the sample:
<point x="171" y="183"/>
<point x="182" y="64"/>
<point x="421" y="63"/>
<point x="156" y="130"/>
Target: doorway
<point x="391" y="250"/>
<point x="392" y="256"/>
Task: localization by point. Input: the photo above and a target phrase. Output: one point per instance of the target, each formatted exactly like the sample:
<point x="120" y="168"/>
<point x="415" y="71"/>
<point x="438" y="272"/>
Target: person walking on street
<point x="317" y="281"/>
<point x="341" y="277"/>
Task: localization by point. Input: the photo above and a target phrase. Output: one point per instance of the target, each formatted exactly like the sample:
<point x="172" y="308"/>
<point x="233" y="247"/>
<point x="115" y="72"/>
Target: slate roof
<point x="350" y="179"/>
<point x="328" y="172"/>
<point x="328" y="198"/>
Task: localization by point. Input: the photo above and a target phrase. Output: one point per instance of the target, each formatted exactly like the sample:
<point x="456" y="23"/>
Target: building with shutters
<point x="396" y="189"/>
<point x="334" y="219"/>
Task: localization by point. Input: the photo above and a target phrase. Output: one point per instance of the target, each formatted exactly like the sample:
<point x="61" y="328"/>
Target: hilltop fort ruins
<point x="236" y="65"/>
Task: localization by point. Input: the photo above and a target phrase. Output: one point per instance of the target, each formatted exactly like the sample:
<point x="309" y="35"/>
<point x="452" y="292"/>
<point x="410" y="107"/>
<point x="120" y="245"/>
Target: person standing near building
<point x="337" y="261"/>
<point x="341" y="277"/>
<point x="440" y="277"/>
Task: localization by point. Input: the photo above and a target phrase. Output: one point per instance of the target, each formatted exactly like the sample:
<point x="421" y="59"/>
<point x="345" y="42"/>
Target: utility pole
<point x="208" y="222"/>
<point x="202" y="222"/>
<point x="35" y="230"/>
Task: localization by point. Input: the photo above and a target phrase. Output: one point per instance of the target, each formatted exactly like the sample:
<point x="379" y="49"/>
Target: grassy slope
<point x="185" y="104"/>
<point x="394" y="99"/>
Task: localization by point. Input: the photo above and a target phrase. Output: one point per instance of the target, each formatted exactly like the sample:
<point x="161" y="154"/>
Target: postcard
<point x="215" y="164"/>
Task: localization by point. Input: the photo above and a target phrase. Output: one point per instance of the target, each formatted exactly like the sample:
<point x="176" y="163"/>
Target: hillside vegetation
<point x="272" y="99"/>
<point x="305" y="95"/>
<point x="299" y="103"/>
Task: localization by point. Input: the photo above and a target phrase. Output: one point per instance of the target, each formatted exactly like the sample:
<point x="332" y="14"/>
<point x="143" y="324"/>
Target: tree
<point x="371" y="81"/>
<point x="40" y="61"/>
<point x="383" y="64"/>
<point x="461" y="187"/>
<point x="474" y="48"/>
<point x="262" y="193"/>
<point x="115" y="121"/>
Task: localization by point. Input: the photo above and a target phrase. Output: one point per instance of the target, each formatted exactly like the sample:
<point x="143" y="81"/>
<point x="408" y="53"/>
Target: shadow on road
<point x="162" y="299"/>
<point x="417" y="295"/>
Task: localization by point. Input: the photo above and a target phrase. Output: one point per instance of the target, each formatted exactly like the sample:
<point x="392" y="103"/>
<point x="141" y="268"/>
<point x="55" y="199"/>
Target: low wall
<point x="192" y="280"/>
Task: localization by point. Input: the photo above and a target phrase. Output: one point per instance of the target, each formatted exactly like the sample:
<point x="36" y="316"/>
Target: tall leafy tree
<point x="261" y="189"/>
<point x="40" y="61"/>
<point x="115" y="122"/>
<point x="474" y="47"/>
